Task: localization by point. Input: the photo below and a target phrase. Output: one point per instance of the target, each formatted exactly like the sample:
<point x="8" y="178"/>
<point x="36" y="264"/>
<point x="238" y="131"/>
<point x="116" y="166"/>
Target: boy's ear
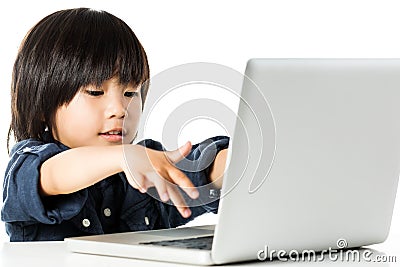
<point x="42" y="118"/>
<point x="44" y="123"/>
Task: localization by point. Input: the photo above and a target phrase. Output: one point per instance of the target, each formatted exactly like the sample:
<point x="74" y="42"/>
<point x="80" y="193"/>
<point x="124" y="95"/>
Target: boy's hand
<point x="218" y="168"/>
<point x="146" y="167"/>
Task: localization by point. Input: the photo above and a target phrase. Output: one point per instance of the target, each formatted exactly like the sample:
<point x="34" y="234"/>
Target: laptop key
<point x="204" y="243"/>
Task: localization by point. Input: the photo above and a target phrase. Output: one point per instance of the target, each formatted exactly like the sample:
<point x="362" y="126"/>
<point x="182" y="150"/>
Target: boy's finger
<point x="179" y="178"/>
<point x="180" y="153"/>
<point x="178" y="201"/>
<point x="137" y="181"/>
<point x="161" y="185"/>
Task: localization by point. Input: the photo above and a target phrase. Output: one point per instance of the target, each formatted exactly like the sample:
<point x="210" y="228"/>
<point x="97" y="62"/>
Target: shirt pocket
<point x="141" y="218"/>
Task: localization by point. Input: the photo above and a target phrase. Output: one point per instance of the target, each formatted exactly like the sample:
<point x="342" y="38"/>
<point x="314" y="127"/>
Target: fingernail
<point x="164" y="197"/>
<point x="187" y="213"/>
<point x="194" y="194"/>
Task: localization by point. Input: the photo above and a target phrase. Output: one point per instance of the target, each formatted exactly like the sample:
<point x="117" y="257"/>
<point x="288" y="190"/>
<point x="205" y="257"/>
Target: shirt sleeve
<point x="197" y="166"/>
<point x="21" y="199"/>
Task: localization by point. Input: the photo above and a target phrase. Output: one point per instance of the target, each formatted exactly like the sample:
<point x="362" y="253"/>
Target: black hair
<point x="65" y="51"/>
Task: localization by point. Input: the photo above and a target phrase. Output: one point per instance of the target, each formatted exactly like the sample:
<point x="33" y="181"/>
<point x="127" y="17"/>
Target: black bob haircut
<point x="63" y="52"/>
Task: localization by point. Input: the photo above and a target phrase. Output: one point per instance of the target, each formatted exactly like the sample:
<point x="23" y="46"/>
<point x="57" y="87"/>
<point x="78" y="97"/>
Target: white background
<point x="224" y="32"/>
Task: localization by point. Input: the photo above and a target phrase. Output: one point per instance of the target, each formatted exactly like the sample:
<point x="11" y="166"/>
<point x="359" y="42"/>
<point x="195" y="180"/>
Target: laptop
<point x="313" y="164"/>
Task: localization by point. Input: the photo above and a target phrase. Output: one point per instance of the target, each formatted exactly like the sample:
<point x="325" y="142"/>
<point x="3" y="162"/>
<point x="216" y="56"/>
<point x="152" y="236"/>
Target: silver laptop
<point x="313" y="164"/>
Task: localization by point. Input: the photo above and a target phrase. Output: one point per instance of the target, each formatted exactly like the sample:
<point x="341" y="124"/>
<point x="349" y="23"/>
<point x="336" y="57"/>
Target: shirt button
<point x="27" y="149"/>
<point x="86" y="222"/>
<point x="146" y="220"/>
<point x="107" y="212"/>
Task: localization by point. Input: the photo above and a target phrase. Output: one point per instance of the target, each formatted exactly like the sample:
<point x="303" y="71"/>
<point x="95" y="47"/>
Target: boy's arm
<point x="78" y="168"/>
<point x="218" y="168"/>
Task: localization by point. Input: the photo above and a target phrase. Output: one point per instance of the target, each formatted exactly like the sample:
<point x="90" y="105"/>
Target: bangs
<point x="82" y="47"/>
<point x="103" y="47"/>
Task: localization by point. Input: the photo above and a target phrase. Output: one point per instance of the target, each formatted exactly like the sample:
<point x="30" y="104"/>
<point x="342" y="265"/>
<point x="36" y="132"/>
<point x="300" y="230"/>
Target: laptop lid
<point x="314" y="159"/>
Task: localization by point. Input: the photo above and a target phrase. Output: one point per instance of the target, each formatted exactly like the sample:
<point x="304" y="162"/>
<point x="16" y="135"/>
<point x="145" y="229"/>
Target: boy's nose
<point x="116" y="108"/>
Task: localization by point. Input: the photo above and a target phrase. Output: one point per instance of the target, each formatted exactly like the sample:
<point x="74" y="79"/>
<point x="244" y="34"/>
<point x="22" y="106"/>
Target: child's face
<point x="99" y="116"/>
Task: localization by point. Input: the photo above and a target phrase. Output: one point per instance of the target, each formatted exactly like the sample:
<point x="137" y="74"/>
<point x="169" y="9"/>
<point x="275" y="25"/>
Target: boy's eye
<point x="94" y="92"/>
<point x="131" y="94"/>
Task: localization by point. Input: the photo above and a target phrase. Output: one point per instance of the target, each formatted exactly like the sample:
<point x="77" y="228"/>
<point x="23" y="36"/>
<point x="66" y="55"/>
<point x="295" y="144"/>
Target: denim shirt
<point x="109" y="206"/>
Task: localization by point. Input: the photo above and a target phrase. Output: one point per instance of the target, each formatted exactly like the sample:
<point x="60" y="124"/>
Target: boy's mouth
<point x="113" y="133"/>
<point x="112" y="136"/>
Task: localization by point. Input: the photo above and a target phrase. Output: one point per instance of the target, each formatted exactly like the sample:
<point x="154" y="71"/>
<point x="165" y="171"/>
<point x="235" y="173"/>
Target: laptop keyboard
<point x="203" y="243"/>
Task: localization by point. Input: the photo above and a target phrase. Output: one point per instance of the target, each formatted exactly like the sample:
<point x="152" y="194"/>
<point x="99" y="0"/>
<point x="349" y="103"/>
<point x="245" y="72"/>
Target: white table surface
<point x="56" y="254"/>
